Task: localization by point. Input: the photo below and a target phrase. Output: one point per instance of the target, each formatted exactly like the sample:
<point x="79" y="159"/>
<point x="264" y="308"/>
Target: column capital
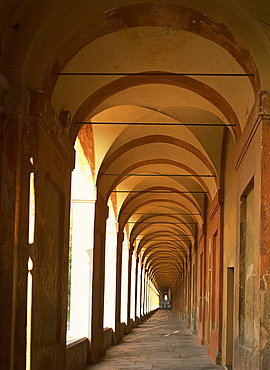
<point x="16" y="99"/>
<point x="265" y="103"/>
<point x="131" y="247"/>
<point x="101" y="205"/>
<point x="33" y="109"/>
<point x="130" y="255"/>
<point x="120" y="234"/>
<point x="42" y="111"/>
<point x="264" y="269"/>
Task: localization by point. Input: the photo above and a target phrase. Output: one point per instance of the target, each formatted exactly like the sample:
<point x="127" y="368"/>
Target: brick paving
<point x="161" y="342"/>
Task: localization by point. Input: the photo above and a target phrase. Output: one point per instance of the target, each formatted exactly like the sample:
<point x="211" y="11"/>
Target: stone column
<point x="141" y="291"/>
<point x="129" y="323"/>
<point x="120" y="238"/>
<point x="144" y="289"/>
<point x="37" y="152"/>
<point x="14" y="249"/>
<point x="202" y="249"/>
<point x="265" y="235"/>
<point x="136" y="288"/>
<point x="216" y="210"/>
<point x="195" y="305"/>
<point x="101" y="214"/>
<point x="146" y="293"/>
<point x="187" y="292"/>
<point x="53" y="163"/>
<point x="190" y="285"/>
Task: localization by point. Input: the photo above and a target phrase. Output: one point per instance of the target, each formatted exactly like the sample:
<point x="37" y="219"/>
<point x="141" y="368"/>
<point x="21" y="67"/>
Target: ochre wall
<point x="236" y="182"/>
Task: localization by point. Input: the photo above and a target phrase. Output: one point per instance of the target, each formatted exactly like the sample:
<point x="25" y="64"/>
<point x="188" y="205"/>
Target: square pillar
<point x="120" y="238"/>
<point x="216" y="299"/>
<point x="14" y="249"/>
<point x="136" y="288"/>
<point x="141" y="288"/>
<point x="98" y="349"/>
<point x="37" y="152"/>
<point x="264" y="268"/>
<point x="129" y="328"/>
<point x="50" y="251"/>
<point x="202" y="288"/>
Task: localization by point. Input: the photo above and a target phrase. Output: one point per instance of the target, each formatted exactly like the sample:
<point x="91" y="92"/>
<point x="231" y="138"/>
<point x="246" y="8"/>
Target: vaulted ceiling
<point x="158" y="69"/>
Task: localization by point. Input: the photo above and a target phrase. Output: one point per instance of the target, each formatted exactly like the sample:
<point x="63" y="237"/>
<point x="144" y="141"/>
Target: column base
<point x="120" y="329"/>
<point x="94" y="356"/>
<point x="215" y="356"/>
<point x="97" y="348"/>
<point x="116" y="338"/>
<point x="129" y="326"/>
<point x="200" y="339"/>
<point x="136" y="322"/>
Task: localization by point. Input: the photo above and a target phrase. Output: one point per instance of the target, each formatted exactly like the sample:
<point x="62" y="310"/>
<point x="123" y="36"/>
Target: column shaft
<point x="97" y="346"/>
<point x="129" y="288"/>
<point x="136" y="288"/>
<point x="120" y="238"/>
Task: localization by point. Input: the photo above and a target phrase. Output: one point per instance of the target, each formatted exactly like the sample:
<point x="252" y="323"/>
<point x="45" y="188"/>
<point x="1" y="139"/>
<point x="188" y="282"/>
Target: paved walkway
<point x="161" y="342"/>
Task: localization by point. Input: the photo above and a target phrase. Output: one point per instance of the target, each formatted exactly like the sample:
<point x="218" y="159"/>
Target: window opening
<point x="32" y="206"/>
<point x="29" y="314"/>
<point x="80" y="247"/>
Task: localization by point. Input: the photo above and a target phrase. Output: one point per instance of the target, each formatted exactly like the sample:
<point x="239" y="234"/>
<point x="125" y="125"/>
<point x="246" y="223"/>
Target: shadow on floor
<point x="161" y="342"/>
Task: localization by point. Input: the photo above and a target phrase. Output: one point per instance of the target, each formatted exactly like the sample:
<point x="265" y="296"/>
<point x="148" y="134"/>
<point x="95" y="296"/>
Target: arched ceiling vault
<point x="66" y="27"/>
<point x="152" y="208"/>
<point x="146" y="245"/>
<point x="166" y="234"/>
<point x="157" y="255"/>
<point x="179" y="232"/>
<point x="160" y="175"/>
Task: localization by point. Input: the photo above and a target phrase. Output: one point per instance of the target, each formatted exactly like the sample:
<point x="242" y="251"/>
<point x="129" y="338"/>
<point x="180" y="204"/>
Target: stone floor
<point x="161" y="342"/>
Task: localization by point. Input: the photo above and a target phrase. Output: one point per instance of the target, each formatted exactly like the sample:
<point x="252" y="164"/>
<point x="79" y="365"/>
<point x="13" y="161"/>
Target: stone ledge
<point x="108" y="337"/>
<point x="76" y="354"/>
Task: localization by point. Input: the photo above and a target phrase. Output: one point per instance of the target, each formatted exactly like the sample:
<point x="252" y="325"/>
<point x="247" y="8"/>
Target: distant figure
<point x="165" y="302"/>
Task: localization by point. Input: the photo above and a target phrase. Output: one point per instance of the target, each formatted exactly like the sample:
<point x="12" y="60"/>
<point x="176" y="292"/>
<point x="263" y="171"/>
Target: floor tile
<point x="161" y="342"/>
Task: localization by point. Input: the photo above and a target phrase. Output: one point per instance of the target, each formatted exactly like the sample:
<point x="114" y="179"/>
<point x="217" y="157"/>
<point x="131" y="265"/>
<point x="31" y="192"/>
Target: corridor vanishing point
<point x="135" y="174"/>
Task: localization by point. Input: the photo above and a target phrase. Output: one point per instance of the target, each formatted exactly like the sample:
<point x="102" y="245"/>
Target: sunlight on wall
<point x="154" y="297"/>
<point x="110" y="269"/>
<point x="81" y="242"/>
